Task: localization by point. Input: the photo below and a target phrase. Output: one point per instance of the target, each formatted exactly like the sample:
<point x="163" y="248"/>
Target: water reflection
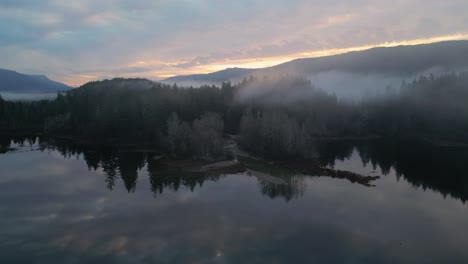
<point x="124" y="164"/>
<point x="440" y="169"/>
<point x="57" y="210"/>
<point x="163" y="178"/>
<point x="294" y="188"/>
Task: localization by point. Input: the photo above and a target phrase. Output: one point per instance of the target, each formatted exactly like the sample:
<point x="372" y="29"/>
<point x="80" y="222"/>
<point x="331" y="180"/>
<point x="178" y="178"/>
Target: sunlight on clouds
<point x="329" y="52"/>
<point x="76" y="79"/>
<point x="157" y="69"/>
<point x="336" y="20"/>
<point x="86" y="40"/>
<point x="271" y="61"/>
<point x="247" y="63"/>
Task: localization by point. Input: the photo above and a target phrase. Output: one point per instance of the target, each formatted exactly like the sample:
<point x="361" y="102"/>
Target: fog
<point x="31" y="96"/>
<point x="287" y="89"/>
<point x="355" y="87"/>
<point x="346" y="86"/>
<point x="359" y="86"/>
<point x="276" y="90"/>
<point x="352" y="76"/>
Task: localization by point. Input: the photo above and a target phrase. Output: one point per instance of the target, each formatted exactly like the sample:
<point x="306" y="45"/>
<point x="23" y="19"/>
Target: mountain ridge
<point x="218" y="76"/>
<point x="13" y="81"/>
<point x="403" y="60"/>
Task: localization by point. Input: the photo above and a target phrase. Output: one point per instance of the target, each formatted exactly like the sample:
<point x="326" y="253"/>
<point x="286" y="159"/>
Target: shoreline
<point x="235" y="160"/>
<point x="113" y="142"/>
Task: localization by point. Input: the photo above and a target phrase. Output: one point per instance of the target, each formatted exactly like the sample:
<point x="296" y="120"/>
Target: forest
<point x="279" y="118"/>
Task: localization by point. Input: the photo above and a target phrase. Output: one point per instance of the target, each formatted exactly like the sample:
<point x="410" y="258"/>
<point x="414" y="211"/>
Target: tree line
<point x="276" y="117"/>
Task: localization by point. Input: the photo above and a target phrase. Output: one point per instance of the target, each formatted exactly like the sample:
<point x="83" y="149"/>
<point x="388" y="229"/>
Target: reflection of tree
<point x="164" y="178"/>
<point x="440" y="169"/>
<point x="331" y="151"/>
<point x="114" y="163"/>
<point x="109" y="164"/>
<point x="129" y="164"/>
<point x="293" y="189"/>
<point x="92" y="158"/>
<point x="20" y="140"/>
<point x="5" y="143"/>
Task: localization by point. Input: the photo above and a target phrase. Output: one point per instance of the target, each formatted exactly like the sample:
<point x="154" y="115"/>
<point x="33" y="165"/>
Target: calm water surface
<point x="65" y="204"/>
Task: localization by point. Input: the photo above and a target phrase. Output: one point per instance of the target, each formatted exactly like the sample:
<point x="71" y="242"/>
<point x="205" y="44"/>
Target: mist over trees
<point x="203" y="139"/>
<point x="433" y="108"/>
<point x="278" y="117"/>
<point x="275" y="134"/>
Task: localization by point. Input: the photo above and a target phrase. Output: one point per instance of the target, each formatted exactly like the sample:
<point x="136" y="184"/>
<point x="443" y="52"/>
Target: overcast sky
<point x="78" y="41"/>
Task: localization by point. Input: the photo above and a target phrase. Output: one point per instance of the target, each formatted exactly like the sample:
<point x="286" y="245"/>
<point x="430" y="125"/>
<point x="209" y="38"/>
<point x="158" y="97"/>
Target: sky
<point x="80" y="41"/>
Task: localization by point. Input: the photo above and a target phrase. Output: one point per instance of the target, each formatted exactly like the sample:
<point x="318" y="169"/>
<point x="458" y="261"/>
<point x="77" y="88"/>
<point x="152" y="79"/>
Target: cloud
<point x="185" y="36"/>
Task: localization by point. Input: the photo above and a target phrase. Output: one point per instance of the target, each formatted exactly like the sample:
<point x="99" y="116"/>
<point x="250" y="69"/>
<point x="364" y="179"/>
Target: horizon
<point x="86" y="41"/>
<point x="318" y="54"/>
<point x="214" y="131"/>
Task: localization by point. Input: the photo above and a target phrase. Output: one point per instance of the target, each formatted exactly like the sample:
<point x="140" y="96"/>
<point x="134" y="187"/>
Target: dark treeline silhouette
<point x="124" y="111"/>
<point x="123" y="166"/>
<point x="440" y="169"/>
<point x="443" y="170"/>
<point x="274" y="117"/>
<point x="116" y="164"/>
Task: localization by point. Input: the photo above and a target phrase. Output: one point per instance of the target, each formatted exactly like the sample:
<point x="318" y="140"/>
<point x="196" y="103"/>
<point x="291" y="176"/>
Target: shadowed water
<point x="62" y="203"/>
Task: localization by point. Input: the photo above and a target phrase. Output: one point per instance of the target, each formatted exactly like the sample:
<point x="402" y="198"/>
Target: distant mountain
<point x="12" y="81"/>
<point x="210" y="78"/>
<point x="402" y="61"/>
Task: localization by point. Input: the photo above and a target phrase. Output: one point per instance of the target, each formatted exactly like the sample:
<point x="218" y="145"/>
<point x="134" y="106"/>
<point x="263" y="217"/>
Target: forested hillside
<point x="272" y="117"/>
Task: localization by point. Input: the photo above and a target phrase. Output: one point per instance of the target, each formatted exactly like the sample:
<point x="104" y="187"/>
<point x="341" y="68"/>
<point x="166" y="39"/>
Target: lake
<point x="61" y="203"/>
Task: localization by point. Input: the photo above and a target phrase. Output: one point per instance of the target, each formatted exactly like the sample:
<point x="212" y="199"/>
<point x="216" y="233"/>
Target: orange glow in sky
<point x="271" y="61"/>
<point x="261" y="62"/>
